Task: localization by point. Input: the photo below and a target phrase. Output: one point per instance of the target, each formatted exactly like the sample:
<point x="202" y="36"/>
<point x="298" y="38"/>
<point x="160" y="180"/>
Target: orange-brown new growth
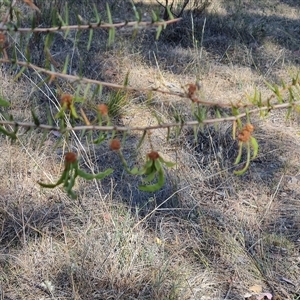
<point x="245" y="134"/>
<point x="115" y="144"/>
<point x="2" y="39"/>
<point x="32" y="5"/>
<point x="153" y="155"/>
<point x="249" y="127"/>
<point x="192" y="89"/>
<point x="191" y="92"/>
<point x="70" y="157"/>
<point x="103" y="109"/>
<point x="66" y="100"/>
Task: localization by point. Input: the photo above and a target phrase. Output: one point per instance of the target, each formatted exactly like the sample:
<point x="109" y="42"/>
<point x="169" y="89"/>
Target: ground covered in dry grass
<point x="208" y="234"/>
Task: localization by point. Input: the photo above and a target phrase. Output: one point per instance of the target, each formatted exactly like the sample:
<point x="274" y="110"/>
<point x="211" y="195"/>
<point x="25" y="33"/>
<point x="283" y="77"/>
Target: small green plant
<point x="116" y="102"/>
<point x="248" y="141"/>
<point x="71" y="172"/>
<point x="153" y="168"/>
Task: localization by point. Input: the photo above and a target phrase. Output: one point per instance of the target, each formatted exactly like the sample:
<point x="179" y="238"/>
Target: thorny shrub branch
<point x="151" y="127"/>
<point x="190" y="93"/>
<point x="152" y="170"/>
<point x="101" y="25"/>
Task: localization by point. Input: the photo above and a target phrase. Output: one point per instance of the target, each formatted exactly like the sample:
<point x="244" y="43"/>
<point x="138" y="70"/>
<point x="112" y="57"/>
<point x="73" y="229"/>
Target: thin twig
<point x="147" y="128"/>
<point x="73" y="78"/>
<point x="101" y="25"/>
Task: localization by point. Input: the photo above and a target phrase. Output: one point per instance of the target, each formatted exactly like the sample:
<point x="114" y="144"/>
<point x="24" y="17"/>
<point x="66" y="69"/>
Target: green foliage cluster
<point x="71" y="172"/>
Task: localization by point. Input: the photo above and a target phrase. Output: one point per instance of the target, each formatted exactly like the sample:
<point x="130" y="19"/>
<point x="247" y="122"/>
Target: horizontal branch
<point x="102" y="25"/>
<point x="73" y="78"/>
<point x="147" y="128"/>
<point x="185" y="94"/>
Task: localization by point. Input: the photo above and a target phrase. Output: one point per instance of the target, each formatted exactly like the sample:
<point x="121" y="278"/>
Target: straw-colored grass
<point x="207" y="234"/>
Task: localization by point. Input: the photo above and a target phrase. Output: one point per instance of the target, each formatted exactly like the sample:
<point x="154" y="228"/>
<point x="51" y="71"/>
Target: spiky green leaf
<point x="66" y="64"/>
<point x="155" y="187"/>
<point x="90" y="39"/>
<point x="150" y="177"/>
<point x="64" y="176"/>
<point x="35" y="118"/>
<point x="255" y="147"/>
<point x="158" y="32"/>
<point x="242" y="171"/>
<point x="111" y="31"/>
<point x="134" y="171"/>
<point x="239" y="156"/>
<point x="20" y="73"/>
<point x="98" y="18"/>
<point x="100" y="175"/>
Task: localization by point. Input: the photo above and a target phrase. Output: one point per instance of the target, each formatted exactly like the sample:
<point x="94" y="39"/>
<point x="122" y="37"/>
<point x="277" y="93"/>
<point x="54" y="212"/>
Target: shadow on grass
<point x="227" y="39"/>
<point x="79" y="251"/>
<point x="124" y="186"/>
<point x="209" y="211"/>
<point x="237" y="37"/>
<point x="291" y="3"/>
<point x="240" y="37"/>
<point x="214" y="225"/>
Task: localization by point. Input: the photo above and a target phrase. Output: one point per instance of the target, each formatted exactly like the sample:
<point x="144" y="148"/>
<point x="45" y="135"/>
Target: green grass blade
<point x="170" y="15"/>
<point x="238" y="158"/>
<point x="5" y="132"/>
<point x="242" y="171"/>
<point x="157" y="165"/>
<point x="20" y="73"/>
<point x="4" y="103"/>
<point x="35" y="118"/>
<point x="98" y="18"/>
<point x="158" y="32"/>
<point x="255" y="147"/>
<point x="111" y="31"/>
<point x="90" y="39"/>
<point x="65" y="69"/>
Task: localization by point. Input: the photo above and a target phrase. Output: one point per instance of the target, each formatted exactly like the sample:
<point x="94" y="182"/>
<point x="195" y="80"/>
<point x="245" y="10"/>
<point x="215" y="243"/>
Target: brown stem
<point x="102" y="25"/>
<point x="153" y="127"/>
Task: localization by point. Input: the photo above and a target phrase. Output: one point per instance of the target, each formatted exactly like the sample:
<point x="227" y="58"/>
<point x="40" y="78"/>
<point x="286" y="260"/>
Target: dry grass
<point x="207" y="234"/>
